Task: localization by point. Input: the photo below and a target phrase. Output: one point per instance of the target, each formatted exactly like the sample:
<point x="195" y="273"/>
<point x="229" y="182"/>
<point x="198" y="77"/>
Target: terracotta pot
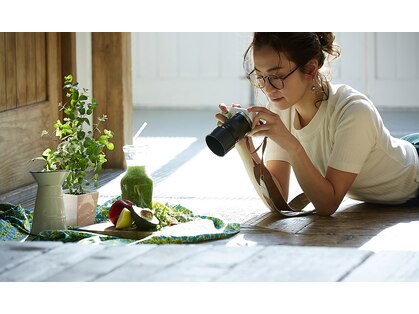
<point x="80" y="210"/>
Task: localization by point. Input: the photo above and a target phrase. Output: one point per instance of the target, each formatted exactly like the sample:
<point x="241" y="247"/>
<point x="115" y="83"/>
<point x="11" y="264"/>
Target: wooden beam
<point x="68" y="64"/>
<point x="68" y="55"/>
<point x="112" y="89"/>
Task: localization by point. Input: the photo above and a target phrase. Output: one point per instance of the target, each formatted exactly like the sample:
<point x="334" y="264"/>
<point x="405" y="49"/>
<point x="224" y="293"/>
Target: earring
<point x="313" y="88"/>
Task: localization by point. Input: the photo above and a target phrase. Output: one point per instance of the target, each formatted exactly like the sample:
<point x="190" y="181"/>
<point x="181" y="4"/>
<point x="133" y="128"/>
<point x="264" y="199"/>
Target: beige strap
<point x="270" y="191"/>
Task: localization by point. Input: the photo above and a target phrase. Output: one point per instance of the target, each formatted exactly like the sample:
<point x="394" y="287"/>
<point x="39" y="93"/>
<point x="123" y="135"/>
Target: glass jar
<point x="136" y="185"/>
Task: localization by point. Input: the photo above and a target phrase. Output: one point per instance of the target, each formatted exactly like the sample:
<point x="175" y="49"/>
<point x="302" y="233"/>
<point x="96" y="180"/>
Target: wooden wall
<point x="23" y="69"/>
<point x="32" y="67"/>
<point x="30" y="89"/>
<point x="112" y="88"/>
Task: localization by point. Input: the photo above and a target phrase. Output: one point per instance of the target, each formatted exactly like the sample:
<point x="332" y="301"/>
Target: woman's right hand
<point x="222" y="116"/>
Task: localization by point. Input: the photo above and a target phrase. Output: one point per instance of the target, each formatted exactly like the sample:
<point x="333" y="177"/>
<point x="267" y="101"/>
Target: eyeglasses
<point x="277" y="82"/>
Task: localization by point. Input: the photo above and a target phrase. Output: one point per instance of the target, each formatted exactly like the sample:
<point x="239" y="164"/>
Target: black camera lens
<point x="223" y="138"/>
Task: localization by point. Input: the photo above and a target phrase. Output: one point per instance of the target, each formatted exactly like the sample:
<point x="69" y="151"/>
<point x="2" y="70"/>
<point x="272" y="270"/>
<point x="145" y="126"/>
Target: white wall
<point x="202" y="69"/>
<point x="384" y="66"/>
<point x="191" y="70"/>
<point x="84" y="65"/>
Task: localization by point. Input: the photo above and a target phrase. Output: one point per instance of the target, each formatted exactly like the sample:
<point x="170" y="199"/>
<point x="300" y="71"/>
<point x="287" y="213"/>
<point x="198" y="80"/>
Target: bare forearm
<point x="317" y="188"/>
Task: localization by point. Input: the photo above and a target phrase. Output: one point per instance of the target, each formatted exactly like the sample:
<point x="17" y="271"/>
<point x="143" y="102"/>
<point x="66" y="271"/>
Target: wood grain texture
<point x="11" y="97"/>
<point x="152" y="262"/>
<point x="30" y="68"/>
<point x="23" y="124"/>
<point x="284" y="263"/>
<point x="50" y="263"/>
<point x="208" y="265"/>
<point x="21" y="68"/>
<point x="55" y="261"/>
<point x="41" y="67"/>
<point x="112" y="89"/>
<point x="108" y="228"/>
<point x="3" y="104"/>
<point x="100" y="263"/>
<point x="388" y="266"/>
<point x="16" y="253"/>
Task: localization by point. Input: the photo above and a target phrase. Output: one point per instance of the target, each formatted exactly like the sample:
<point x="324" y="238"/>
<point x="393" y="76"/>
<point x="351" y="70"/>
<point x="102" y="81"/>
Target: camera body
<point x="223" y="138"/>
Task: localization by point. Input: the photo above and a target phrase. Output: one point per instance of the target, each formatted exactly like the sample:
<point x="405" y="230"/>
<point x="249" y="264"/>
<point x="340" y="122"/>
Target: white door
<point x="394" y="69"/>
<point x="384" y="66"/>
<point x="189" y="69"/>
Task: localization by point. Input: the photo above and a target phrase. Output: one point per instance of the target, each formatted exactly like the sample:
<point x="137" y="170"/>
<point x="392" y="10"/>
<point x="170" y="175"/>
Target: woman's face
<point x="268" y="62"/>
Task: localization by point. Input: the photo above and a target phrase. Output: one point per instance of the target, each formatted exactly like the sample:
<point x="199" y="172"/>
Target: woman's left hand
<point x="269" y="124"/>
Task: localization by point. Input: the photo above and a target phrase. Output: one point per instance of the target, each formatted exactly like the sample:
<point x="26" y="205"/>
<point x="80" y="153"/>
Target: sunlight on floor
<point x="400" y="237"/>
<point x="186" y="172"/>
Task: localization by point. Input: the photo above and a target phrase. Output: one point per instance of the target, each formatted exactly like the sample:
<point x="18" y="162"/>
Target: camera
<point x="223" y="138"/>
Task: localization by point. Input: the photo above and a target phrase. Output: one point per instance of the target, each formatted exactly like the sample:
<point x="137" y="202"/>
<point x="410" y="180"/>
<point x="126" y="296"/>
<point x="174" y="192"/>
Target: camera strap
<point x="270" y="191"/>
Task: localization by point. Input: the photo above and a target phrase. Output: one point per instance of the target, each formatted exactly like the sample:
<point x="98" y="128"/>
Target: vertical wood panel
<point x="30" y="68"/>
<point x="3" y="104"/>
<point x="20" y="129"/>
<point x="68" y="64"/>
<point x="112" y="87"/>
<point x="21" y="68"/>
<point x="11" y="70"/>
<point x="41" y="67"/>
<point x="68" y="54"/>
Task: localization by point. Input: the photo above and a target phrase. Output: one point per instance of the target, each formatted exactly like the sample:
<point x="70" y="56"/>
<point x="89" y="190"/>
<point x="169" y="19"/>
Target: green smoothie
<point x="137" y="186"/>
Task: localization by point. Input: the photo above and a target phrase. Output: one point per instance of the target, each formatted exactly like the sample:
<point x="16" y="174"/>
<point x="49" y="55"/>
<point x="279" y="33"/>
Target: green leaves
<point x="78" y="151"/>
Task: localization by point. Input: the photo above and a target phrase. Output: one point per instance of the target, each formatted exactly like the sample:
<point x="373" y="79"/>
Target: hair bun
<point x="326" y="41"/>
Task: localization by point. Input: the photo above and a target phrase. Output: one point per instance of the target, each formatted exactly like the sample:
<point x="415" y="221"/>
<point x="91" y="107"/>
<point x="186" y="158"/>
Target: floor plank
<point x="251" y="236"/>
<point x="100" y="263"/>
<point x="206" y="265"/>
<point x="51" y="262"/>
<point x="388" y="266"/>
<point x="297" y="264"/>
<point x="152" y="262"/>
<point x="14" y="254"/>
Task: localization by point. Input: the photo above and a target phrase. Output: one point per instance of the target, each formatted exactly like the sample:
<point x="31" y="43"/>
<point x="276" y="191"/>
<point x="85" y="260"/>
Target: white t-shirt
<point x="348" y="134"/>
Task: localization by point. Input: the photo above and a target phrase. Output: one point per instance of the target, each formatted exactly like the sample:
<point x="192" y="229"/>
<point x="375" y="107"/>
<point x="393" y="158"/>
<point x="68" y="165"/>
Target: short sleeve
<point x="354" y="138"/>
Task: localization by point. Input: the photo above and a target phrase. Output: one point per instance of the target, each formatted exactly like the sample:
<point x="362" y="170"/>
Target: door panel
<point x="393" y="77"/>
<point x="384" y="66"/>
<point x="30" y="74"/>
<point x="189" y="69"/>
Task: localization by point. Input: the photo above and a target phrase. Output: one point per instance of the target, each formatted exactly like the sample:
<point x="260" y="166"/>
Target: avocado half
<point x="144" y="218"/>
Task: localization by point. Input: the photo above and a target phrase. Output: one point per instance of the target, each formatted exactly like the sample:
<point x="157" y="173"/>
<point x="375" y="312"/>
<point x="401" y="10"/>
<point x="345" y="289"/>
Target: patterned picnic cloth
<point x="15" y="225"/>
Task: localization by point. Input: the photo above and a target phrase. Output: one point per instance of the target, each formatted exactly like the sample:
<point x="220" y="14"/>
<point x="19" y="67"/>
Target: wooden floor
<point x="54" y="261"/>
<point x="360" y="242"/>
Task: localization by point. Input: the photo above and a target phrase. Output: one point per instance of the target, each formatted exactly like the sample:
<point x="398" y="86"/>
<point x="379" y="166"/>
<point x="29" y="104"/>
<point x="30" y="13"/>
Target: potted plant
<point x="79" y="152"/>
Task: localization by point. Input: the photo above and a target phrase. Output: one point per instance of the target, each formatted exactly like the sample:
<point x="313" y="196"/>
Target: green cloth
<point x="413" y="139"/>
<point x="15" y="225"/>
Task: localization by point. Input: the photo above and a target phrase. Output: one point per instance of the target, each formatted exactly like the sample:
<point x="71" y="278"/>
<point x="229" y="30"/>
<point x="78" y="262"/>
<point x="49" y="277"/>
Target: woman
<point x="331" y="135"/>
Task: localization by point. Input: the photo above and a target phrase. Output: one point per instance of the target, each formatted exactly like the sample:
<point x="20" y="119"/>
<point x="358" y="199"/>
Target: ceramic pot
<point x="49" y="213"/>
<point x="80" y="210"/>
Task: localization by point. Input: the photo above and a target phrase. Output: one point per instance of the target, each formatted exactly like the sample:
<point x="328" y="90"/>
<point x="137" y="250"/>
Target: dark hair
<point x="299" y="48"/>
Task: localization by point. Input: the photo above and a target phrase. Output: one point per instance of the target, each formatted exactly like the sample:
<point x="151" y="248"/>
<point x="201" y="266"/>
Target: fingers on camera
<point x="223" y="107"/>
